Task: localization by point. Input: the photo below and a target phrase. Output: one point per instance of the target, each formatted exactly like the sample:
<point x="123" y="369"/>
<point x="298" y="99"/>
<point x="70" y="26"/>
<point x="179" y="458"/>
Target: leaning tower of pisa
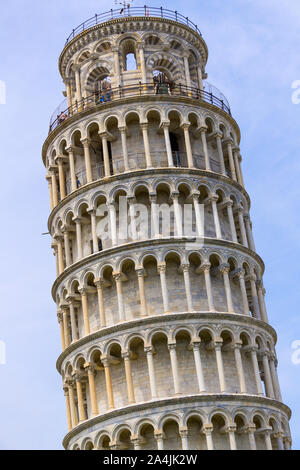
<point x="166" y="342"/>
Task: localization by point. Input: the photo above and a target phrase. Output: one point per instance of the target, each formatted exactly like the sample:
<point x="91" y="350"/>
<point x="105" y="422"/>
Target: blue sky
<point x="253" y="59"/>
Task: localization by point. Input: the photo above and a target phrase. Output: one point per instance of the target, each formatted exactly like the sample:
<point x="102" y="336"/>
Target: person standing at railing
<point x="78" y="184"/>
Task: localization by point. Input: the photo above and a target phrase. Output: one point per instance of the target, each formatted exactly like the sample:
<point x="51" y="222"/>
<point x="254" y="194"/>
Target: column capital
<point x="149" y="349"/>
<point x="89" y="368"/>
<point x="230" y="428"/>
<point x="224" y="268"/>
<point x="205" y="267"/>
<point x="165" y="124"/>
<point x="86" y="141"/>
<point x="83" y="291"/>
<point x="171" y="346"/>
<point x="185" y="125"/>
<point x="228" y="202"/>
<point x="161" y="267"/>
<point x="144" y="125"/>
<point x="185" y="267"/>
<point x="140" y="272"/>
<point x="207" y="429"/>
<point x="59" y="316"/>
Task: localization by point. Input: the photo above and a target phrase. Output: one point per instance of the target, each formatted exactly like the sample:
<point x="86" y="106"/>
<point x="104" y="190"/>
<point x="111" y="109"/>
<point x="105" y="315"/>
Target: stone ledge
<point x="147" y="98"/>
<point x="146" y="172"/>
<point x="236" y="398"/>
<point x="146" y="243"/>
<point x="119" y="327"/>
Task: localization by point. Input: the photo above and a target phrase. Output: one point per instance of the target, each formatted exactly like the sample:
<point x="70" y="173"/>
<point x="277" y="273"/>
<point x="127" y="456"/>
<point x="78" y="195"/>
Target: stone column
<point x="69" y="419"/>
<point x="205" y="150"/>
<point x="251" y="430"/>
<point x="237" y="166"/>
<point x="151" y="371"/>
<point x="122" y="130"/>
<point x="220" y="366"/>
<point x="261" y="301"/>
<point x="231" y="433"/>
<point x="267" y="435"/>
<point x="54" y="186"/>
<point x="144" y="127"/>
<point x="249" y="232"/>
<point x="199" y="219"/>
<point x="188" y="147"/>
<point x="77" y="81"/>
<point x="213" y="199"/>
<point x="183" y="432"/>
<point x="159" y="436"/>
<point x="198" y="364"/>
<point x="67" y="82"/>
<point x="240" y="212"/>
<point x="231" y="160"/>
<point x="165" y="126"/>
<point x="82" y="415"/>
<point x="241" y="276"/>
<point x="187" y="283"/>
<point x="66" y="326"/>
<point x="49" y="180"/>
<point x="70" y="151"/>
<point x="67" y="247"/>
<point x="136" y="442"/>
<point x="61" y="176"/>
<point x="207" y="430"/>
<point x="118" y="280"/>
<point x="252" y="279"/>
<point x="85" y="312"/>
<point x="87" y="159"/>
<point x="142" y="61"/>
<point x="73" y="409"/>
<point x="141" y="275"/>
<point x="73" y="320"/>
<point x="113" y="223"/>
<point x="253" y="352"/>
<point x="60" y="255"/>
<point x="154" y="216"/>
<point x="100" y="283"/>
<point x="187" y="71"/>
<point x="105" y="154"/>
<point x="239" y="366"/>
<point x="225" y="270"/>
<point x="279" y="437"/>
<point x="61" y="325"/>
<point x="267" y="376"/>
<point x="92" y="388"/>
<point x="200" y="78"/>
<point x="218" y="137"/>
<point x="115" y="50"/>
<point x="275" y="381"/>
<point x="78" y="238"/>
<point x="128" y="374"/>
<point x="109" y="390"/>
<point x="93" y="230"/>
<point x="173" y="357"/>
<point x="228" y="205"/>
<point x="206" y="269"/>
<point x="177" y="213"/>
<point x="162" y="272"/>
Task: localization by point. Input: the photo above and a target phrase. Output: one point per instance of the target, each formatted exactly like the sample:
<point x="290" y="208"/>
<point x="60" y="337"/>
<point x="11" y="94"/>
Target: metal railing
<point x="129" y="11"/>
<point x="139" y="89"/>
